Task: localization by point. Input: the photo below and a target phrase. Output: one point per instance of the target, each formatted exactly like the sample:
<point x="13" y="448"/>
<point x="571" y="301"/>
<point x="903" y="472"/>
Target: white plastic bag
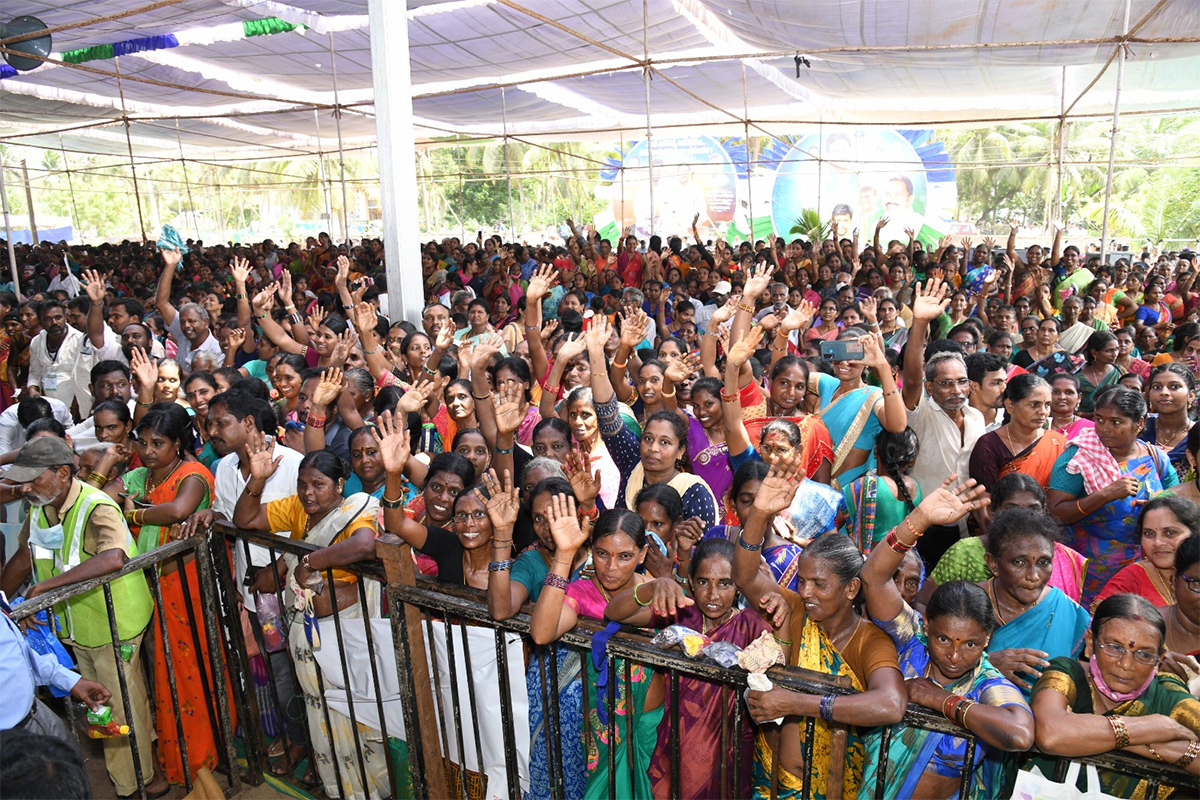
<point x="1033" y="785"/>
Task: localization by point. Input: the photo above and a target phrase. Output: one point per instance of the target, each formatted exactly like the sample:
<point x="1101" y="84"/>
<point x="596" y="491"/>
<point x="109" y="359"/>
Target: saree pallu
<point x="705" y="718"/>
<point x="816" y="652"/>
<point x="872" y="512"/>
<point x="710" y="461"/>
<point x="1107" y="537"/>
<point x="1037" y="460"/>
<point x="851" y="421"/>
<point x="914" y="752"/>
<point x="1055" y="625"/>
<point x="1166" y="695"/>
<point x="1138" y="579"/>
<point x="183" y="612"/>
<point x="1087" y="390"/>
<point x="569" y="683"/>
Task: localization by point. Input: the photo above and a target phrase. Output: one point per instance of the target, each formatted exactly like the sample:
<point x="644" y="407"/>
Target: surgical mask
<point x="50" y="538"/>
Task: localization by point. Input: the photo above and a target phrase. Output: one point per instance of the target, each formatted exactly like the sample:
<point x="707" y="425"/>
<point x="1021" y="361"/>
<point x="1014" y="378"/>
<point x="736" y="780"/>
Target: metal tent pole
<point x="321" y="171"/>
<point x="29" y="202"/>
<point x="1062" y="145"/>
<point x="512" y="228"/>
<point x="187" y="185"/>
<point x="70" y="185"/>
<point x="649" y="134"/>
<point x="462" y="197"/>
<point x="12" y="253"/>
<point x="394" y="125"/>
<point x="746" y="134"/>
<point x="337" y="116"/>
<point x="1112" y="145"/>
<point x="137" y="194"/>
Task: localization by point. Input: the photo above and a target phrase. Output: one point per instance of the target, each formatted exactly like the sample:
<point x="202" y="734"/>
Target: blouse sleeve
<point x="1063" y="481"/>
<point x="698" y="502"/>
<point x="622" y="444"/>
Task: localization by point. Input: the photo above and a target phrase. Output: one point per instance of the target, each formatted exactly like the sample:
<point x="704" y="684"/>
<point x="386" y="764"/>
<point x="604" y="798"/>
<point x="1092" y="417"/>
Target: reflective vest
<point x="84" y="618"/>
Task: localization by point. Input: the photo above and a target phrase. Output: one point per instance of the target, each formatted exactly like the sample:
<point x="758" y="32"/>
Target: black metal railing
<point x="439" y="721"/>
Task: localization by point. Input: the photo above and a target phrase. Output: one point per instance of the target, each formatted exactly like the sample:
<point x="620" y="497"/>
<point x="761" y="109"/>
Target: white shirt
<point x="54" y="373"/>
<point x="945" y="450"/>
<point x="22" y="670"/>
<point x="229" y="483"/>
<point x="12" y="435"/>
<point x="185" y="353"/>
<point x="68" y="283"/>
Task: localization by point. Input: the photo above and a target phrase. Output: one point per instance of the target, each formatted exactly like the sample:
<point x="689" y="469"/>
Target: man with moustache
<point x="110" y="380"/>
<point x="936" y="394"/>
<point x="53" y="353"/>
<point x="73" y="533"/>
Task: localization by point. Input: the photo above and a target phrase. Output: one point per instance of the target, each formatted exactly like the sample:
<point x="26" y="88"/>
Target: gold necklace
<point x="1160" y="438"/>
<point x="152" y="484"/>
<point x="1165" y="589"/>
<point x="1012" y="447"/>
<point x="705" y="627"/>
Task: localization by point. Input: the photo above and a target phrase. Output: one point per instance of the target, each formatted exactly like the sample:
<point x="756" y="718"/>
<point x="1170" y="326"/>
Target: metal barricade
<point x="425" y="690"/>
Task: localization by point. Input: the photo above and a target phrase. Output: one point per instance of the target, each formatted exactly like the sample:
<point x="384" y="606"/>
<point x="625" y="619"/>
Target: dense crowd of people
<point x="959" y="476"/>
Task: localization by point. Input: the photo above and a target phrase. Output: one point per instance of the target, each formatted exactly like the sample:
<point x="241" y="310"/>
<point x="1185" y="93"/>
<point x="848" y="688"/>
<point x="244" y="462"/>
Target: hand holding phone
<point x="847" y="350"/>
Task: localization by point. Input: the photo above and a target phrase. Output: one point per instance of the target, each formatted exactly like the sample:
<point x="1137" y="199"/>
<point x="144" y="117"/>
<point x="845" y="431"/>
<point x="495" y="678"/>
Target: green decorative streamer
<point x="265" y="27"/>
<point x="88" y="54"/>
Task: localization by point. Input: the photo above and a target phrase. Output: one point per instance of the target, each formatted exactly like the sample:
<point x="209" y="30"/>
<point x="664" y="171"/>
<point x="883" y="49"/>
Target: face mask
<point x="49" y="538"/>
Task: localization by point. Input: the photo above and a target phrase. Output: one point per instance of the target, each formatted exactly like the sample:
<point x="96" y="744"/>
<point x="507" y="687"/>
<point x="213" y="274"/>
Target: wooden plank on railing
<point x="398" y="563"/>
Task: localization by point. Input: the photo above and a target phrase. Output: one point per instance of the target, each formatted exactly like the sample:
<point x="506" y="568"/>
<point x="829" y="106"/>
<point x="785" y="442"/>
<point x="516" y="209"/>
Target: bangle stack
<point x="555" y="581"/>
<point x="135" y="517"/>
<point x="1121" y="734"/>
<point x="98" y="480"/>
<point x="732" y="397"/>
<point x="893" y="541"/>
<point x="749" y="309"/>
<point x="392" y="504"/>
<point x="955" y="709"/>
<point x="1189" y="755"/>
<point x="315" y="420"/>
<point x="827" y="707"/>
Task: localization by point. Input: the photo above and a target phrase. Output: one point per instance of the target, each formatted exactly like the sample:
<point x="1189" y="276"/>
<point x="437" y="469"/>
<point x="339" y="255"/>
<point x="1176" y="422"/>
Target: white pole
<point x="12" y="254"/>
<point x="1112" y="145"/>
<point x="392" y="79"/>
<point x="337" y="116"/>
<point x="649" y="134"/>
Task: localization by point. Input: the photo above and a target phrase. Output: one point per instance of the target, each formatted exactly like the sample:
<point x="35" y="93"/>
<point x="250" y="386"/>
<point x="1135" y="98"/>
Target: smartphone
<point x="849" y="350"/>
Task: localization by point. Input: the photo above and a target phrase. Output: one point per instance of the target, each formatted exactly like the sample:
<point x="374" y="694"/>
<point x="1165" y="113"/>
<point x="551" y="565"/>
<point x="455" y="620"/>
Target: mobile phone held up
<point x="848" y="350"/>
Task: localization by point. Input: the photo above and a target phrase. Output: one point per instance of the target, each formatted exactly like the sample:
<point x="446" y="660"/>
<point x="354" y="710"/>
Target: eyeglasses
<point x="1193" y="584"/>
<point x="1116" y="653"/>
<point x="475" y="516"/>
<point x="961" y="383"/>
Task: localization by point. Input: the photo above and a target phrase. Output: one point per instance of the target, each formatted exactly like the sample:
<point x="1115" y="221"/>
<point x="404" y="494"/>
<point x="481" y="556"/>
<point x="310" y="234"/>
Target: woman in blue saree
<point x="1037" y="621"/>
<point x="945" y="668"/>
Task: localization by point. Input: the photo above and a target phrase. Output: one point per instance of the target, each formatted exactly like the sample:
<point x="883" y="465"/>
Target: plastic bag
<point x="43" y="640"/>
<point x="271" y="621"/>
<point x="689" y="641"/>
<point x="723" y="653"/>
<point x="101" y="725"/>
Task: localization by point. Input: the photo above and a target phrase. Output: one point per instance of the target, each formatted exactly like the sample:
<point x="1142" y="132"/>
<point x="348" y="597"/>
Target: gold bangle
<point x="672" y="394"/>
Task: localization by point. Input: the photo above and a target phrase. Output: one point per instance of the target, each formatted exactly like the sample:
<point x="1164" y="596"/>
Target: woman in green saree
<point x="1117" y="696"/>
<point x="618" y="548"/>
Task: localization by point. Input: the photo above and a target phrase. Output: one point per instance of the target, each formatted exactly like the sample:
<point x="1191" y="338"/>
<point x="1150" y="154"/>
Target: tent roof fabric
<point x="578" y="69"/>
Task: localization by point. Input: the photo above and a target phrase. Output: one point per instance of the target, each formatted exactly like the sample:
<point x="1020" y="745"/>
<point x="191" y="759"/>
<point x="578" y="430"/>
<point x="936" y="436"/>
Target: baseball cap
<point x="39" y="455"/>
<point x="723" y="287"/>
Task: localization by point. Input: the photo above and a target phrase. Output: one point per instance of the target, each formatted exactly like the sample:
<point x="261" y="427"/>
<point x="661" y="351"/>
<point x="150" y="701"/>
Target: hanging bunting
<point x="220" y="33"/>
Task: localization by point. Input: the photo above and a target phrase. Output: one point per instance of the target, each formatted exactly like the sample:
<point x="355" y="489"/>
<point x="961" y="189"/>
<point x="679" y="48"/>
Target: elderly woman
<point x="1117" y="696"/>
<point x="1100" y="481"/>
<point x="1164" y="524"/>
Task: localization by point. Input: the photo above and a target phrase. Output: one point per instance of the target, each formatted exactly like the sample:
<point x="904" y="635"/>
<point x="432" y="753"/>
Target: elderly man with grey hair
<point x="187" y="326"/>
<point x="936" y="394"/>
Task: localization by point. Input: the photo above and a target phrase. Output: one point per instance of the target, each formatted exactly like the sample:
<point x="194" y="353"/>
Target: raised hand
<point x="416" y="398"/>
<point x="547" y="332"/>
<point x="584" y="482"/>
<point x="263" y="462"/>
<point x="883" y="221"/>
<point x="285" y="287"/>
<point x="910" y="233"/>
<point x="633" y="328"/>
<point x="264" y="300"/>
<point x="93" y="284"/>
<point x="949" y="503"/>
<point x="240" y="269"/>
<point x="724" y="313"/>
<point x="1014" y="224"/>
<point x="329" y="387"/>
<point x="444" y="338"/>
<point x="503" y="501"/>
<point x="393" y="440"/>
<point x="237" y="338"/>
<point x="510" y="411"/>
<point x="739" y="353"/>
<point x="680" y="369"/>
<point x="341" y="347"/>
<point x="757" y="283"/>
<point x="688" y="533"/>
<point x="565" y="528"/>
<point x="769" y="322"/>
<point x="171" y="256"/>
<point x="365" y="318"/>
<point x="872" y="353"/>
<point x="343" y="271"/>
<point x="597" y="333"/>
<point x="539" y="284"/>
<point x="989" y="243"/>
<point x="778" y="489"/>
<point x="144" y="370"/>
<point x="930" y="303"/>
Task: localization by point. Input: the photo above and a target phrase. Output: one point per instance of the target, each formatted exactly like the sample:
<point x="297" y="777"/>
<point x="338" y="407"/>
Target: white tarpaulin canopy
<point x="594" y="69"/>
